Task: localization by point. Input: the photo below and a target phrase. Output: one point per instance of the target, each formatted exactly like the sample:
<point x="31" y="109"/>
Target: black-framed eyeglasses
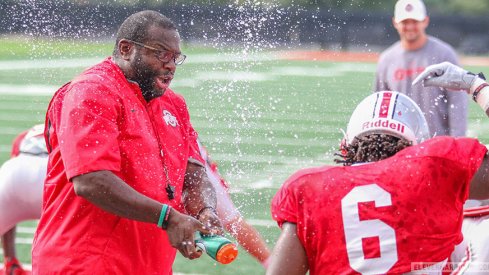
<point x="163" y="55"/>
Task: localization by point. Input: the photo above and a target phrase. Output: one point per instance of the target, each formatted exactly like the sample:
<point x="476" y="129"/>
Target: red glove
<point x="13" y="267"/>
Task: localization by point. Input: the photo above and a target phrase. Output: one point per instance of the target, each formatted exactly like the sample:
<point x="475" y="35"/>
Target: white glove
<point x="448" y="76"/>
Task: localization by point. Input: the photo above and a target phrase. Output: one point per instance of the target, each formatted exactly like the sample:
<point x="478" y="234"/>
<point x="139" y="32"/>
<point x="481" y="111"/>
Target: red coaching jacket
<point x="107" y="125"/>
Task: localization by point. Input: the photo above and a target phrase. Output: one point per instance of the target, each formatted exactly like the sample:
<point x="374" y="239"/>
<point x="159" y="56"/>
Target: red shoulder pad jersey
<point x="380" y="217"/>
<point x="107" y="125"/>
<point x="16" y="144"/>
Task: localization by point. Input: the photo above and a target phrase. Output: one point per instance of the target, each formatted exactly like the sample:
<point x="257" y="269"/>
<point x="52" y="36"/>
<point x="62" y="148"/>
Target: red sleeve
<point x="89" y="120"/>
<point x="284" y="203"/>
<point x="470" y="155"/>
<point x="469" y="152"/>
<point x="465" y="154"/>
<point x="16" y="144"/>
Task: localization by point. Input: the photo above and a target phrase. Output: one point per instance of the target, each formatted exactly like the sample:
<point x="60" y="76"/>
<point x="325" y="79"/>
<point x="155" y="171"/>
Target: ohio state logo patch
<point x="170" y="119"/>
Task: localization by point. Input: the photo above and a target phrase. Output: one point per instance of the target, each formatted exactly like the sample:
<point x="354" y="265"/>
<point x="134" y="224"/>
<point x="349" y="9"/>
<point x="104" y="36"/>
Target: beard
<point x="145" y="77"/>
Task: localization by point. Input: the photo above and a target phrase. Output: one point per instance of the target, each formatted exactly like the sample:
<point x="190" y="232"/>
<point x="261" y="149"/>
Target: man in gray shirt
<point x="398" y="66"/>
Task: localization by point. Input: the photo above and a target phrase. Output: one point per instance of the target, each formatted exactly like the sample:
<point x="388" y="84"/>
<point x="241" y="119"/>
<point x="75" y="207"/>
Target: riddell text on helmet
<point x="388" y="124"/>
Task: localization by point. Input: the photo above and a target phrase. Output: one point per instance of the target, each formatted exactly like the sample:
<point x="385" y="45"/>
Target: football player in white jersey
<point x="21" y="183"/>
<point x="472" y="253"/>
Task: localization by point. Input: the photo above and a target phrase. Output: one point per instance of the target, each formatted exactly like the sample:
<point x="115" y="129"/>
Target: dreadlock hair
<point x="371" y="148"/>
<point x="136" y="27"/>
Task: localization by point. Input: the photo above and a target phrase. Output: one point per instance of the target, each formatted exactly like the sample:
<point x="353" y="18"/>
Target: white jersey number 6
<point x="356" y="230"/>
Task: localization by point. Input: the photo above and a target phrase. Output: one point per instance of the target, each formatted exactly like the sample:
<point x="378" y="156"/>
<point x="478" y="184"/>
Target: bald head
<point x="136" y="26"/>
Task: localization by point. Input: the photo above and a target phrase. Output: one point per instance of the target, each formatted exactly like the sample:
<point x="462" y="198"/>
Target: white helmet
<point x="391" y="113"/>
<point x="33" y="143"/>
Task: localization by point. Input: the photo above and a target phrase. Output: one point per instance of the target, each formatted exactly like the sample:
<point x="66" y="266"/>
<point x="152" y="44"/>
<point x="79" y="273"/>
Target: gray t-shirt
<point x="445" y="111"/>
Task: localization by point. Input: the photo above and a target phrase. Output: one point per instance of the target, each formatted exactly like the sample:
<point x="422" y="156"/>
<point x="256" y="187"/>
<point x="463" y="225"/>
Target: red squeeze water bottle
<point x="217" y="247"/>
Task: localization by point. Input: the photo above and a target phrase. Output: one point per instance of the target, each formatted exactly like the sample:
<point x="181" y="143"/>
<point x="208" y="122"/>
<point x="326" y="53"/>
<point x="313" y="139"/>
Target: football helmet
<point x="33" y="142"/>
<point x="388" y="112"/>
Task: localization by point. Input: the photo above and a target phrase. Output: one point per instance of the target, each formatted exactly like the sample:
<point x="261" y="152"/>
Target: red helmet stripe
<point x="384" y="105"/>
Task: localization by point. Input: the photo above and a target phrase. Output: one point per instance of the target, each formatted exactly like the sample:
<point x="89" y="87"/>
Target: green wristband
<point x="162" y="215"/>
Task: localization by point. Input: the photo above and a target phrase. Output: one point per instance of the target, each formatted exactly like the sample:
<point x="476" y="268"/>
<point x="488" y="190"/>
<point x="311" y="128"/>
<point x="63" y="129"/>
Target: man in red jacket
<point x="125" y="184"/>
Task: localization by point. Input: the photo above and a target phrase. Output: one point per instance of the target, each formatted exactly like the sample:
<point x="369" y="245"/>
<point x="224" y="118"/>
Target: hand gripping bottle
<point x="217" y="247"/>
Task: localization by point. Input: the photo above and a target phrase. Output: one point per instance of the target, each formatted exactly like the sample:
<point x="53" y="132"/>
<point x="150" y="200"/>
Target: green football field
<point x="261" y="116"/>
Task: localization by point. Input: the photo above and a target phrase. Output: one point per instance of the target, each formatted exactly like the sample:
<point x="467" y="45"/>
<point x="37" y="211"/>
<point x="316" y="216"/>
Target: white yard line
<point x="265" y="223"/>
<point x="26" y="229"/>
<point x="27" y="89"/>
<point x="9" y="65"/>
<point x="20" y="240"/>
<point x="21" y="117"/>
<point x="31" y="64"/>
<point x="225" y="75"/>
